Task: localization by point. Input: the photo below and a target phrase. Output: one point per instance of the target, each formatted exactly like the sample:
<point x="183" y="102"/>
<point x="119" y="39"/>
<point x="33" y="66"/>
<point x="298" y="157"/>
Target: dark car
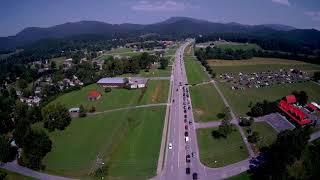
<point x="188" y="158"/>
<point x="185" y="120"/>
<point x="185" y="111"/>
<point x="186" y="133"/>
<point x="177" y="89"/>
<point x="185" y="116"/>
<point x="195" y="176"/>
<point x="189" y="108"/>
<point x="190" y="122"/>
<point x="186" y="127"/>
<point x="187" y="170"/>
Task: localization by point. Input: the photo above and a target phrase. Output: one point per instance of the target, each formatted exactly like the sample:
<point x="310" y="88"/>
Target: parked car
<point x="186" y="127"/>
<point x="170" y="145"/>
<point x="186" y="133"/>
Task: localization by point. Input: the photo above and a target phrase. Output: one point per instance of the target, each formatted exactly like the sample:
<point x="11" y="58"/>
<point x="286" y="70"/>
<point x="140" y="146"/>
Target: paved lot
<point x="277" y="121"/>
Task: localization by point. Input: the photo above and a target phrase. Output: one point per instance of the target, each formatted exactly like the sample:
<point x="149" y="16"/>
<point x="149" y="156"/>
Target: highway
<point x="180" y="122"/>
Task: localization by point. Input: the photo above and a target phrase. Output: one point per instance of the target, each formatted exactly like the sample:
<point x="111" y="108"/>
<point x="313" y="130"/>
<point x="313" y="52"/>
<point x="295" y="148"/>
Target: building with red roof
<point x="287" y="106"/>
<point x="94" y="95"/>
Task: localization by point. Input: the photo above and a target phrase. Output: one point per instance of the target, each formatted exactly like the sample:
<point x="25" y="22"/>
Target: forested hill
<point x="176" y="27"/>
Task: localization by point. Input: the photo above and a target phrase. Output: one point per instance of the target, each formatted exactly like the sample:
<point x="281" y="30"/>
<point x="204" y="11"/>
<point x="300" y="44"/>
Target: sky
<point x="15" y="15"/>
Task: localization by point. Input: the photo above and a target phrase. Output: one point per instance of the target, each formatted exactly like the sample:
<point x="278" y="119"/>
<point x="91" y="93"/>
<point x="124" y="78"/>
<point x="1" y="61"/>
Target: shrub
<point x="107" y="89"/>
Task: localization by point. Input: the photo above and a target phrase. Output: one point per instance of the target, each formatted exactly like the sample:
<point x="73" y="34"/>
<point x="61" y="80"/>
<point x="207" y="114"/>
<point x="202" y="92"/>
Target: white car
<point x="170" y="145"/>
<point x="187" y="139"/>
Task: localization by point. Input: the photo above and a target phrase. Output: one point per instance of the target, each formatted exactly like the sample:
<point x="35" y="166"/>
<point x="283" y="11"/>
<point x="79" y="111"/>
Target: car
<point x="188" y="158"/>
<point x="186" y="133"/>
<point x="185" y="111"/>
<point x="185" y="116"/>
<point x="187" y="139"/>
<point x="177" y="89"/>
<point x="190" y="122"/>
<point x="173" y="100"/>
<point x="185" y="120"/>
<point x="187" y="170"/>
<point x="192" y="154"/>
<point x="189" y="108"/>
<point x="170" y="145"/>
<point x="186" y="127"/>
<point x="195" y="176"/>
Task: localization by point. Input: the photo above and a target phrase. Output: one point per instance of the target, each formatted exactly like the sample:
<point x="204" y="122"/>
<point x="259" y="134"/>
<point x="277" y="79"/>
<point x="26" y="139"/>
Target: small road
<point x="15" y="167"/>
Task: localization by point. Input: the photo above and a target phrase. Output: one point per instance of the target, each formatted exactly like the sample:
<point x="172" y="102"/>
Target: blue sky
<point x="18" y="14"/>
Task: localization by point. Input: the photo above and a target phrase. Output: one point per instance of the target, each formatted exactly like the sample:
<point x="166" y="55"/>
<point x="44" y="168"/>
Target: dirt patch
<point x="156" y="94"/>
<point x="198" y="111"/>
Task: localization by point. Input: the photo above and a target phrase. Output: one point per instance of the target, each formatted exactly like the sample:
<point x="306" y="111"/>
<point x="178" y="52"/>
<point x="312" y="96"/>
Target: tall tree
<point x="56" y="116"/>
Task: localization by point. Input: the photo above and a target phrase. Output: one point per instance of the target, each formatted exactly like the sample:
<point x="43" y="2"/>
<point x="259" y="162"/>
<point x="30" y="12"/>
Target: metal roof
<point x="113" y="80"/>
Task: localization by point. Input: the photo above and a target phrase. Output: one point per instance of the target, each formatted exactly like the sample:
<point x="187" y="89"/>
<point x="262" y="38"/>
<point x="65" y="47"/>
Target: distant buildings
<point x="131" y="82"/>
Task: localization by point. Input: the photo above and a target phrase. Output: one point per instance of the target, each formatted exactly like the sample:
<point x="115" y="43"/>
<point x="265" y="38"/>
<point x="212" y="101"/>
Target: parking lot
<point x="277" y="121"/>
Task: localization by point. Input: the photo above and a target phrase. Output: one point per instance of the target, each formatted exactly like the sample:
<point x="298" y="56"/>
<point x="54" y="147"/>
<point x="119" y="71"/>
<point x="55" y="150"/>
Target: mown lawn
<point x="137" y="155"/>
<point x="266" y="133"/>
<point x="206" y="103"/>
<point x="156" y="73"/>
<point x="128" y="140"/>
<point x="220" y="152"/>
<point x="242" y="176"/>
<point x="259" y="64"/>
<point x="15" y="176"/>
<point x="117" y="98"/>
<point x="241" y="99"/>
<point x="237" y="46"/>
<point x="195" y="72"/>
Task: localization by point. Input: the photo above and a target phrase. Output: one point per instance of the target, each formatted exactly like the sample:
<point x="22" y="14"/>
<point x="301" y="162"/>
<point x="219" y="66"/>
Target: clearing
<point x="240" y="100"/>
<point x="127" y="141"/>
<point x="206" y="103"/>
<point x="220" y="152"/>
<point x="236" y="46"/>
<point x="266" y="133"/>
<point x="118" y="97"/>
<point x="258" y="64"/>
<point x="195" y="72"/>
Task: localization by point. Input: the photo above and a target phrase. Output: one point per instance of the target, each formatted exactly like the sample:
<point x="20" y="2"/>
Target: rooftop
<point x="113" y="80"/>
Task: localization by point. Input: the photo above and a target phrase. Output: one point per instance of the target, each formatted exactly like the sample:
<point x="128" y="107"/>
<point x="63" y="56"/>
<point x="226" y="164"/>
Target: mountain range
<point x="172" y="26"/>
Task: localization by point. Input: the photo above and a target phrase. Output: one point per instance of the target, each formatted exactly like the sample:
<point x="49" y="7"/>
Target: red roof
<point x="291" y="99"/>
<point x="311" y="106"/>
<point x="94" y="94"/>
<point x="294" y="113"/>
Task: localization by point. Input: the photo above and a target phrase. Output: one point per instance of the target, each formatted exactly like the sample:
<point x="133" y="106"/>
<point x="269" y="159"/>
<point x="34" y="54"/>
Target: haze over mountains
<point x="172" y="26"/>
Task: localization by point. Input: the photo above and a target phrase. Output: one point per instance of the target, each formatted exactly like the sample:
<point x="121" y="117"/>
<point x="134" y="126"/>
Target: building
<point x="94" y="95"/>
<point x="287" y="106"/>
<point x="112" y="82"/>
<point x="137" y="82"/>
<point x="133" y="83"/>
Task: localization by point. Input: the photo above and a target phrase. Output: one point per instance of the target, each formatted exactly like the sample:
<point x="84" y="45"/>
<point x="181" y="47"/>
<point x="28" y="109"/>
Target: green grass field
<point x="195" y="71"/>
<point x="156" y="92"/>
<point x="241" y="99"/>
<point x="242" y="176"/>
<point x="152" y="73"/>
<point x="267" y="134"/>
<point x="128" y="142"/>
<point x="220" y="152"/>
<point x="206" y="103"/>
<point x="258" y="64"/>
<point x="14" y="176"/>
<point x="59" y="60"/>
<point x="236" y="46"/>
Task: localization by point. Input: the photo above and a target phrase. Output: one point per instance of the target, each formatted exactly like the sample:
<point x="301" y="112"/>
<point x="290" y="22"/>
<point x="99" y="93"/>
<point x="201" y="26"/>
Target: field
<point x="153" y="73"/>
<point x="59" y="60"/>
<point x="267" y="134"/>
<point x="236" y="46"/>
<point x="242" y="176"/>
<point x="156" y="92"/>
<point x="195" y="71"/>
<point x="206" y="103"/>
<point x="15" y="176"/>
<point x="258" y="64"/>
<point x="241" y="99"/>
<point x="127" y="141"/>
<point x="220" y="152"/>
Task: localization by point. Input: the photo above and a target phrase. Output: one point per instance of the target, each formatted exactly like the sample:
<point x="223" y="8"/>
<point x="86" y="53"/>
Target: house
<point x="137" y="82"/>
<point x="112" y="82"/>
<point x="94" y="95"/>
